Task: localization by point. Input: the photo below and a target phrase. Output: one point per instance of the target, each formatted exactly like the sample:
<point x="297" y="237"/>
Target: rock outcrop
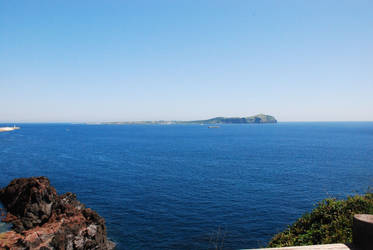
<point x="42" y="219"/>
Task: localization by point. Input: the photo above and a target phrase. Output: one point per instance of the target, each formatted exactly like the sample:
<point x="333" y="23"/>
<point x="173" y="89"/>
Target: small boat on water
<point x="5" y="129"/>
<point x="213" y="126"/>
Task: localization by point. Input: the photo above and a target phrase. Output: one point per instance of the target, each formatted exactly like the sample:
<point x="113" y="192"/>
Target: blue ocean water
<point x="189" y="187"/>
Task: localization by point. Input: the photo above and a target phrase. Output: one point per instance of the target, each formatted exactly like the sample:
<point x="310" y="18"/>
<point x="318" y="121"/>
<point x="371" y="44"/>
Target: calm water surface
<point x="183" y="186"/>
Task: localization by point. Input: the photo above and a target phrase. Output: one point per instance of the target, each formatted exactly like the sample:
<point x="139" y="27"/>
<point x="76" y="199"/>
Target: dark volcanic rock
<point x="30" y="201"/>
<point x="44" y="220"/>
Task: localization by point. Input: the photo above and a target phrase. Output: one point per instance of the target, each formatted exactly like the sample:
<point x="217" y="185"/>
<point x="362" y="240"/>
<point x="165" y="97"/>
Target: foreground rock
<point x="42" y="219"/>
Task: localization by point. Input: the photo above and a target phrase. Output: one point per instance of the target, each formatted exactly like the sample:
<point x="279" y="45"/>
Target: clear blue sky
<point x="149" y="60"/>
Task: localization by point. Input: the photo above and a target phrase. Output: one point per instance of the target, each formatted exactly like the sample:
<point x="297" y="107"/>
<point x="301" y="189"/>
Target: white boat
<point x="6" y="129"/>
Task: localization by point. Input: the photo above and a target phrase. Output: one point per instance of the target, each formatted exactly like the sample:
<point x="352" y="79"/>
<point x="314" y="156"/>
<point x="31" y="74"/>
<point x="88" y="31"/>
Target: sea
<point x="190" y="186"/>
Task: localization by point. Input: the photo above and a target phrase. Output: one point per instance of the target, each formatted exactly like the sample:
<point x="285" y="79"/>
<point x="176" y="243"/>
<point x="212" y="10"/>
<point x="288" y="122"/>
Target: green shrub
<point x="329" y="222"/>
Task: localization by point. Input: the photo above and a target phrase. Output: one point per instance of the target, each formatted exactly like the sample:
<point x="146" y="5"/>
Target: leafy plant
<point x="329" y="222"/>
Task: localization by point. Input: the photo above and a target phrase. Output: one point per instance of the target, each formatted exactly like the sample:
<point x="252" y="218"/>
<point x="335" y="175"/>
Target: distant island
<point x="260" y="118"/>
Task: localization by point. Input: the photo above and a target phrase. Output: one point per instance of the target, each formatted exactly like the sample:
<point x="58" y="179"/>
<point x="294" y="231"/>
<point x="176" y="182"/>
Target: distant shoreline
<point x="260" y="118"/>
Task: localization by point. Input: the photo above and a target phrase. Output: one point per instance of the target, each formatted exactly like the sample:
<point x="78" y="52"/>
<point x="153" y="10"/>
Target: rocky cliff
<point x="42" y="219"/>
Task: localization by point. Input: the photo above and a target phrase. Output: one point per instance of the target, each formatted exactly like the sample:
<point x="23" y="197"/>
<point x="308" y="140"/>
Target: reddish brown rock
<point x="42" y="219"/>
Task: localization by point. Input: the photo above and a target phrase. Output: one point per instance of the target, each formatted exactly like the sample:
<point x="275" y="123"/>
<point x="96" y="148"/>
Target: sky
<point x="92" y="61"/>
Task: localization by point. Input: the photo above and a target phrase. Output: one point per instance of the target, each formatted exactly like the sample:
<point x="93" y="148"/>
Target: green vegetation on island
<point x="260" y="118"/>
<point x="251" y="119"/>
<point x="329" y="222"/>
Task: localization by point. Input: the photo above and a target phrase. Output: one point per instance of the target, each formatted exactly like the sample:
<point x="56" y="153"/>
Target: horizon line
<point x="102" y="122"/>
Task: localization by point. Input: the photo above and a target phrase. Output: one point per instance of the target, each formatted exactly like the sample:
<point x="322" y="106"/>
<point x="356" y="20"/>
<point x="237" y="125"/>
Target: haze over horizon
<point x="94" y="61"/>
